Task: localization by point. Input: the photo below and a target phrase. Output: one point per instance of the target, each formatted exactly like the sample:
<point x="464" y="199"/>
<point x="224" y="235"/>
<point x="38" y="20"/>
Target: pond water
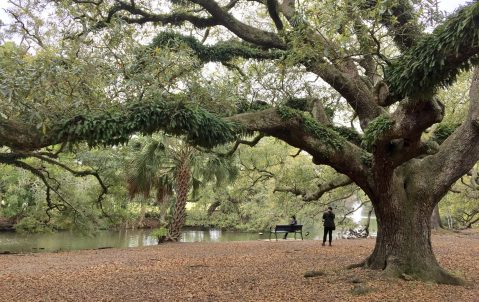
<point x="62" y="241"/>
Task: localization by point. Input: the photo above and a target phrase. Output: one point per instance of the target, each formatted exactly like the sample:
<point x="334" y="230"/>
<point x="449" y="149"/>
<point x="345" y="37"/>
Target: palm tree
<point x="173" y="167"/>
<point x="147" y="172"/>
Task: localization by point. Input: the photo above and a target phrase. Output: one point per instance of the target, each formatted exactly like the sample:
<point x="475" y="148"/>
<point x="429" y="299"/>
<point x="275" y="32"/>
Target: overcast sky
<point x="450" y="5"/>
<point x="447" y="5"/>
<point x="444" y="5"/>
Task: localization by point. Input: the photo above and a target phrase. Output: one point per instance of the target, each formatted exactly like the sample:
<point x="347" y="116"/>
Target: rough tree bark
<point x="436" y="222"/>
<point x="403" y="244"/>
<point x="401" y="174"/>
<point x="368" y="222"/>
<point x="404" y="201"/>
<point x="183" y="176"/>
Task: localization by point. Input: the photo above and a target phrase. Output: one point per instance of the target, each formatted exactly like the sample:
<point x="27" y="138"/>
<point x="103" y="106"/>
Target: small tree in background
<point x="171" y="167"/>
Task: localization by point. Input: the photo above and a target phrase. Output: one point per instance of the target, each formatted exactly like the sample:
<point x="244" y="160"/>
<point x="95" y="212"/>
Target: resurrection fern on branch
<point x="286" y="113"/>
<point x="328" y="135"/>
<point x="349" y="134"/>
<point x="198" y="125"/>
<point x="375" y="128"/>
<point x="220" y="52"/>
<point x="438" y="58"/>
<point x="443" y="131"/>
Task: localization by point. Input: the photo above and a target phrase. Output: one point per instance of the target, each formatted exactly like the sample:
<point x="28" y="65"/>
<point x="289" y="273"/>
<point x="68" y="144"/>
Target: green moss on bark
<point x="324" y="133"/>
<point x="220" y="52"/>
<point x="375" y="129"/>
<point x="438" y="58"/>
<point x="112" y="128"/>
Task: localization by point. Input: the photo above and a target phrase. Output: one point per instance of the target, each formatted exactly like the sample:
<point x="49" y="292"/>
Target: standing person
<point x="293" y="221"/>
<point x="329" y="227"/>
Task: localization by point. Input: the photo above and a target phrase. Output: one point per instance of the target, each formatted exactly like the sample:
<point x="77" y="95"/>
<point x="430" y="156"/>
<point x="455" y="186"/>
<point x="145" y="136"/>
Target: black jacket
<point x="328" y="219"/>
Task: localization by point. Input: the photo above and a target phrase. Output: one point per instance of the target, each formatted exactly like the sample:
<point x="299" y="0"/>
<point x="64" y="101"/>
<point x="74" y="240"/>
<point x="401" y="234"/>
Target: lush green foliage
<point x="460" y="209"/>
<point x="44" y="88"/>
<point x="437" y="58"/>
<point x="251" y="203"/>
<point x="443" y="131"/>
<point x="220" y="52"/>
<point x="375" y="128"/>
<point x="106" y="86"/>
<point x="75" y="202"/>
<point x="326" y="134"/>
<point x="199" y="126"/>
<point x="159" y="233"/>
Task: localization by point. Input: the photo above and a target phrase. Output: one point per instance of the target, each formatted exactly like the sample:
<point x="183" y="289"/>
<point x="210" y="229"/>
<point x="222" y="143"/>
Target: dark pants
<point x="326" y="231"/>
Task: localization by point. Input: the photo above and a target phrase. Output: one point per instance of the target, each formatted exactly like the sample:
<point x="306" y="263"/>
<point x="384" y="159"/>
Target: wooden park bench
<point x="286" y="228"/>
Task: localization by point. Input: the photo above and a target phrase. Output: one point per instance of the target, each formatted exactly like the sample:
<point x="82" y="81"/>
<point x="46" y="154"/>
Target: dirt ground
<point x="232" y="271"/>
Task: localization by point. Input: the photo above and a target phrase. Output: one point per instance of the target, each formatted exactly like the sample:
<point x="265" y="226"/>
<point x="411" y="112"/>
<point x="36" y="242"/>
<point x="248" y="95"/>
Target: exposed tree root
<point x="356" y="265"/>
<point x="433" y="273"/>
<point x="430" y="274"/>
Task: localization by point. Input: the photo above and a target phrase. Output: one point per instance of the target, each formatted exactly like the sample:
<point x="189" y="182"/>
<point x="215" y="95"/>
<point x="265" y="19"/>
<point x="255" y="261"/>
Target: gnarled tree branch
<point x="459" y="152"/>
<point x="242" y="30"/>
<point x="314" y="139"/>
<point x="340" y="181"/>
<point x="402" y="24"/>
<point x="15" y="159"/>
<point x="437" y="59"/>
<point x="238" y="142"/>
<point x="143" y="17"/>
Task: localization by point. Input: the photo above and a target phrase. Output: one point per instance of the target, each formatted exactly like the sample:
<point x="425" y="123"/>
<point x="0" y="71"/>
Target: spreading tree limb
<point x="340" y="181"/>
<point x="438" y="58"/>
<point x="459" y="152"/>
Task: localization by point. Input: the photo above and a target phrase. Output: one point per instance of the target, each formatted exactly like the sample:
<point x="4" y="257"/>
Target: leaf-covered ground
<point x="233" y="271"/>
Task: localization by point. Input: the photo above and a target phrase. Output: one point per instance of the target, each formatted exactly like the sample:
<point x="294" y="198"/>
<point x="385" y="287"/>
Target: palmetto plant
<point x="172" y="167"/>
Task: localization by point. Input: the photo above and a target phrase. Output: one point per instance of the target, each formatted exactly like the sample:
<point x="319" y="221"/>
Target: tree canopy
<point x="353" y="83"/>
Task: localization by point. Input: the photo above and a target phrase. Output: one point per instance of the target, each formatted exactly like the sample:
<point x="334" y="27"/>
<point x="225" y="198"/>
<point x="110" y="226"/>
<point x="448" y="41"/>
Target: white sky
<point x="447" y="5"/>
<point x="450" y="5"/>
<point x="444" y="5"/>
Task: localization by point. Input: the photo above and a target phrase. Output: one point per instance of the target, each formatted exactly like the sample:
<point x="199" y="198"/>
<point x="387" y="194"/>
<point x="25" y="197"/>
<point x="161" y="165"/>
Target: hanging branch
<point x="296" y="154"/>
<point x="104" y="188"/>
<point x="329" y="202"/>
<point x="352" y="211"/>
<point x="238" y="142"/>
<point x="49" y="188"/>
<point x="44" y="175"/>
<point x="338" y="182"/>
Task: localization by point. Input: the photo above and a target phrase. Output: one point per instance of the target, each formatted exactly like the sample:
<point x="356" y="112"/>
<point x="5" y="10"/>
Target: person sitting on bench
<point x="292" y="222"/>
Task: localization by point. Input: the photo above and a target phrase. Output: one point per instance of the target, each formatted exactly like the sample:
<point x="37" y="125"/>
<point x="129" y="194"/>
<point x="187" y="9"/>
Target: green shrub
<point x="160" y="234"/>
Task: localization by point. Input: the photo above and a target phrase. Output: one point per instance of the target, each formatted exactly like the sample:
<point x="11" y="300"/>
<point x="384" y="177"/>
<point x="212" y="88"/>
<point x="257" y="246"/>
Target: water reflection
<point x="192" y="236"/>
<point x="215" y="235"/>
<point x="17" y="243"/>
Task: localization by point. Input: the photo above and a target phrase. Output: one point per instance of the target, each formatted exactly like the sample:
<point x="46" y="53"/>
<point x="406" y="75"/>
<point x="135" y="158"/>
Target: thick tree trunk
<point x="368" y="222"/>
<point x="163" y="210"/>
<point x="403" y="244"/>
<point x="436" y="219"/>
<point x="182" y="187"/>
<point x="212" y="208"/>
<point x="140" y="223"/>
<point x="6" y="224"/>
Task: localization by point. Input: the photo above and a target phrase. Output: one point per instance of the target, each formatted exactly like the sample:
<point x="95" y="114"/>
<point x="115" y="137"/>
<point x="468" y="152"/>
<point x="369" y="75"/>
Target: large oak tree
<point x="378" y="56"/>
